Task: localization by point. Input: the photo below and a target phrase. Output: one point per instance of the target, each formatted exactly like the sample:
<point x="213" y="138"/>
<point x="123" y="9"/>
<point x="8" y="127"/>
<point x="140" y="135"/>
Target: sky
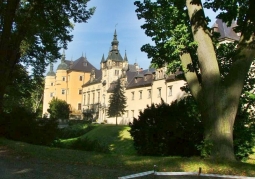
<point x="93" y="39"/>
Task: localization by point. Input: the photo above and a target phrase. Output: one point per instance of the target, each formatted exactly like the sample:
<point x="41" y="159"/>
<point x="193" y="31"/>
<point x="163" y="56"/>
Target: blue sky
<point x="94" y="37"/>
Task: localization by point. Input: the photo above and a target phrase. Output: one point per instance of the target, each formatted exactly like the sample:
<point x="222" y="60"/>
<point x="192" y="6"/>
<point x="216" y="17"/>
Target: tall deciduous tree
<point x="117" y="101"/>
<point x="181" y="34"/>
<point x="33" y="31"/>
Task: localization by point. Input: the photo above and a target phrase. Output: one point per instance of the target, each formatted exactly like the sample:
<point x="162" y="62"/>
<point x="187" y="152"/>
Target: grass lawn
<point x="123" y="156"/>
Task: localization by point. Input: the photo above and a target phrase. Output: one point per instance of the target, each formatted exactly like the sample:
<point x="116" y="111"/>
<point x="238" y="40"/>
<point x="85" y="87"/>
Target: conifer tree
<point x="117" y="101"/>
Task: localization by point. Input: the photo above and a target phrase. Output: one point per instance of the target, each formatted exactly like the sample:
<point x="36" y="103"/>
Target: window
<point x="133" y="113"/>
<point x="88" y="98"/>
<point x="98" y="97"/>
<point x="141" y="94"/>
<point x="93" y="98"/>
<point x="51" y="95"/>
<point x="170" y="90"/>
<point x="79" y="106"/>
<point x="80" y="78"/>
<point x="51" y="84"/>
<point x="63" y="91"/>
<point x="80" y="91"/>
<point x="159" y="92"/>
<point x="84" y="99"/>
<point x="63" y="78"/>
<point x="116" y="73"/>
<point x="133" y="95"/>
<point x="149" y="93"/>
<point x="104" y="98"/>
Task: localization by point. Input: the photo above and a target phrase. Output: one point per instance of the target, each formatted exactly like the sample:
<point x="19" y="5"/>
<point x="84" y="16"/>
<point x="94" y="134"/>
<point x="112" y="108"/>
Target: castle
<point x="87" y="89"/>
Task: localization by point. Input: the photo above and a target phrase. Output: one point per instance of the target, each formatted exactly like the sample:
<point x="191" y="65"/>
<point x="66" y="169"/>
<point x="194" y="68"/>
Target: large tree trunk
<point x="9" y="48"/>
<point x="218" y="121"/>
<point x="218" y="101"/>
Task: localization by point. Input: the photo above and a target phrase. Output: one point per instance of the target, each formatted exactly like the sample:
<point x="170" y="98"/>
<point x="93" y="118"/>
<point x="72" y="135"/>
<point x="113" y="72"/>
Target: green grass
<point x="122" y="156"/>
<point x="130" y="162"/>
<point x="117" y="138"/>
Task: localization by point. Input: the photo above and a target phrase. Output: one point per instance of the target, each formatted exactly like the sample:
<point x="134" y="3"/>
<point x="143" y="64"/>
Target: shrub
<point x="244" y="135"/>
<point x="87" y="144"/>
<point x="20" y="124"/>
<point x="163" y="129"/>
<point x="74" y="131"/>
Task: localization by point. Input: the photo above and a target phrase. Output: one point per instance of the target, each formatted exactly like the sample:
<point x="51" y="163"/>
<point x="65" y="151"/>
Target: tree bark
<point x="218" y="101"/>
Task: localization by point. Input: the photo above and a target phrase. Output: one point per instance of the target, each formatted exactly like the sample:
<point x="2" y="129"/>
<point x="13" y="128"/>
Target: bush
<point x="89" y="145"/>
<point x="244" y="135"/>
<point x="21" y="125"/>
<point x="163" y="129"/>
<point x="74" y="131"/>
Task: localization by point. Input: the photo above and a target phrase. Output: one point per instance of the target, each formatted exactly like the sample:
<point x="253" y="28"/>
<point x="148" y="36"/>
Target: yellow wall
<point x="65" y="86"/>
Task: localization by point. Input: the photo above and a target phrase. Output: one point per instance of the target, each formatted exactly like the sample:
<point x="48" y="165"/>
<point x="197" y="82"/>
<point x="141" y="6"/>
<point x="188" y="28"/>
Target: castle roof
<point x="81" y="64"/>
<point x="225" y="31"/>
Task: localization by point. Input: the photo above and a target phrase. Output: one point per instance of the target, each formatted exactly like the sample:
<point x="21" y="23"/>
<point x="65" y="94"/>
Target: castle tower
<point x="112" y="66"/>
<point x="61" y="85"/>
<point x="49" y="88"/>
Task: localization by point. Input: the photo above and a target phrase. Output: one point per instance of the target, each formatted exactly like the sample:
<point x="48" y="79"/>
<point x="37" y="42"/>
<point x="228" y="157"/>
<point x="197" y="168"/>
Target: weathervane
<point x="116" y="25"/>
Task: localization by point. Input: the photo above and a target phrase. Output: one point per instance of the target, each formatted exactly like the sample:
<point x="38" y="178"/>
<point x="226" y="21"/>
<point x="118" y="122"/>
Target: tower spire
<point x="125" y="57"/>
<point x="63" y="57"/>
<point x="102" y="61"/>
<point x="115" y="41"/>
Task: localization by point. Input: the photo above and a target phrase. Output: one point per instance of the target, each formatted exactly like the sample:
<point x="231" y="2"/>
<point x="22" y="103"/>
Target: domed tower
<point x="61" y="79"/>
<point x="49" y="88"/>
<point x="113" y="65"/>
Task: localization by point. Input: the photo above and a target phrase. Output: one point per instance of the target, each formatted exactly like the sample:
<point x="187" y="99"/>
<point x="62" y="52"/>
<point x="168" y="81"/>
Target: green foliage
<point x="20" y="124"/>
<point x="244" y="135"/>
<point x="117" y="101"/>
<point x="74" y="131"/>
<point x="58" y="109"/>
<point x="34" y="32"/>
<point x="181" y="36"/>
<point x="163" y="129"/>
<point x="87" y="144"/>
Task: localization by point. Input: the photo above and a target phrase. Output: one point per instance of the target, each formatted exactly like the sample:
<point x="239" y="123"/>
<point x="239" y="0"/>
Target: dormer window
<point x="85" y="64"/>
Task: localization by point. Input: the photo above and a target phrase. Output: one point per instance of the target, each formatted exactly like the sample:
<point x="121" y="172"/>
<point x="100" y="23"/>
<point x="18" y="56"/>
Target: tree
<point x="182" y="37"/>
<point x="33" y="31"/>
<point x="58" y="109"/>
<point x="117" y="101"/>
